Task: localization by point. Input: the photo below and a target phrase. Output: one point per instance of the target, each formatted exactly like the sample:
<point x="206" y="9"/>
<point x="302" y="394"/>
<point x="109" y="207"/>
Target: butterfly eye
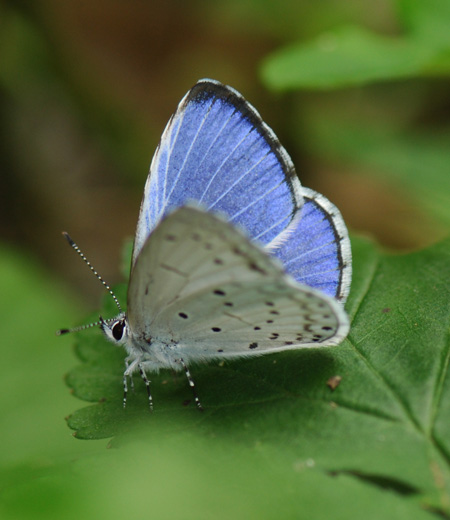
<point x="117" y="330"/>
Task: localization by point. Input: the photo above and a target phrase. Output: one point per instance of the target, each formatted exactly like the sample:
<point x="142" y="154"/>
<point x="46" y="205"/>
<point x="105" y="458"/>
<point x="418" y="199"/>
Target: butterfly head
<point x="116" y="329"/>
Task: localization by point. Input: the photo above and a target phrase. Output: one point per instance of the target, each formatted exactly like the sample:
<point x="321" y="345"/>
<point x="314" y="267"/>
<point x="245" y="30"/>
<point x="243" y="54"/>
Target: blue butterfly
<point x="232" y="256"/>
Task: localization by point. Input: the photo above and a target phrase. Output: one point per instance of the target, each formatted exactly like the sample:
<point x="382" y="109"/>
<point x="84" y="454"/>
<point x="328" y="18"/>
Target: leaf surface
<point x="385" y="425"/>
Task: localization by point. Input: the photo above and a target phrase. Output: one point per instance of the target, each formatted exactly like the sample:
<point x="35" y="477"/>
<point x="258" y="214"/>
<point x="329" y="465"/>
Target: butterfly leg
<point x="127" y="364"/>
<point x="147" y="384"/>
<point x="129" y="368"/>
<point x="192" y="385"/>
<point x="125" y="389"/>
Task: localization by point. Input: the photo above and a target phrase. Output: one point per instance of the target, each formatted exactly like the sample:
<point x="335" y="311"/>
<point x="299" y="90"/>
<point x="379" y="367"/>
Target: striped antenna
<point x="100" y="321"/>
<point x="108" y="288"/>
<point x="60" y="332"/>
<point x="78" y="250"/>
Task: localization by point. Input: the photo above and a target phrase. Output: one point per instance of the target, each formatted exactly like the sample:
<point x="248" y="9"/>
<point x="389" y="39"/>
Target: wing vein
<point x="224" y="160"/>
<point x="204" y="119"/>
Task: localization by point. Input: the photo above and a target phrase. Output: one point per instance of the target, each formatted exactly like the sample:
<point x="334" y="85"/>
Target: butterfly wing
<point x="216" y="150"/>
<point x="317" y="252"/>
<point x="200" y="285"/>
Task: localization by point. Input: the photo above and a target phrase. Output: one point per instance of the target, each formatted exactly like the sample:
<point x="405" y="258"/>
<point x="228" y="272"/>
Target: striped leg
<point x="125" y="389"/>
<point x="192" y="385"/>
<point x="147" y="384"/>
<point x="128" y="373"/>
<point x="127" y="364"/>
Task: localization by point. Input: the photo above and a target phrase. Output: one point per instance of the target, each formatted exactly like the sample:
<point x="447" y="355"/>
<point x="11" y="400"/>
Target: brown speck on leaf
<point x="186" y="402"/>
<point x="386" y="310"/>
<point x="334" y="382"/>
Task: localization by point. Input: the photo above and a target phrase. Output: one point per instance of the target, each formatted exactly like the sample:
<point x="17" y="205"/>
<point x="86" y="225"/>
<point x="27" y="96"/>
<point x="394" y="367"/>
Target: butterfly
<point x="232" y="256"/>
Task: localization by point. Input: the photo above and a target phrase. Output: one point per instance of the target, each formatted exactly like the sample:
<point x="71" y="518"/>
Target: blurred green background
<point x="357" y="92"/>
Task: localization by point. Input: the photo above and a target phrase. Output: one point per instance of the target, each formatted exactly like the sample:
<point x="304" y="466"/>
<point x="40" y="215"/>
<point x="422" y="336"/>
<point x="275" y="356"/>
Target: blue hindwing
<point x="317" y="252"/>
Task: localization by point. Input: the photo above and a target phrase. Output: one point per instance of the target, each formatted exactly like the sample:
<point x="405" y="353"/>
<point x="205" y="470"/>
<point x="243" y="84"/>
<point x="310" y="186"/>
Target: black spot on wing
<point x="255" y="267"/>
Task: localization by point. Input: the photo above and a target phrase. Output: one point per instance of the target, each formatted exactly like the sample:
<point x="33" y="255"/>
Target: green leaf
<point x="350" y="56"/>
<point x="384" y="429"/>
<point x="33" y="397"/>
<point x="190" y="477"/>
<point x="419" y="162"/>
<point x="428" y="21"/>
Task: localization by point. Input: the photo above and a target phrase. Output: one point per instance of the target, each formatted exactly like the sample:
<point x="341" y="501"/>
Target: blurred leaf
<point x="385" y="425"/>
<point x="427" y="20"/>
<point x="33" y="399"/>
<point x="183" y="475"/>
<point x="417" y="161"/>
<point x="349" y="56"/>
